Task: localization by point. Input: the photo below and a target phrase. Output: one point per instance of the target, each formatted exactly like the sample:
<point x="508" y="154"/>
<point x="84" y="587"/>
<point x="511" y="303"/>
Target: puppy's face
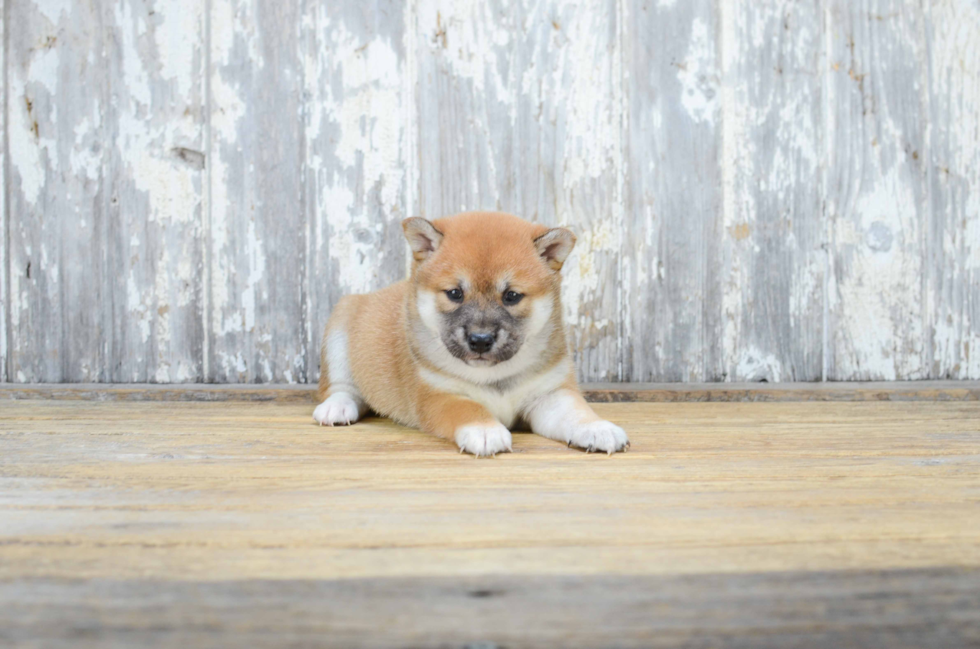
<point x="485" y="282"/>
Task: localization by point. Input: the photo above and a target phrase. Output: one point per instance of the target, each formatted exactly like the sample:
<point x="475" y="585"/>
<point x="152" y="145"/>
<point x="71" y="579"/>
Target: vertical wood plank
<point x="356" y="153"/>
<point x="877" y="189"/>
<point x="56" y="75"/>
<point x="953" y="255"/>
<point x="773" y="238"/>
<point x="155" y="181"/>
<point x="257" y="220"/>
<point x="520" y="111"/>
<point x="4" y="311"/>
<point x="671" y="259"/>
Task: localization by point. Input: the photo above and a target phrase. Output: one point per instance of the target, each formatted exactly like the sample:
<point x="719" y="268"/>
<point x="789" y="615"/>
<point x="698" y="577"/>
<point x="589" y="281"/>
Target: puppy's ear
<point x="422" y="237"/>
<point x="554" y="246"/>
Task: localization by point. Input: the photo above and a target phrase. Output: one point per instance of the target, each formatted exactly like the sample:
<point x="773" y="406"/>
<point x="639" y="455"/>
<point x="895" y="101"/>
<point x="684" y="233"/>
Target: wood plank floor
<point x="727" y="524"/>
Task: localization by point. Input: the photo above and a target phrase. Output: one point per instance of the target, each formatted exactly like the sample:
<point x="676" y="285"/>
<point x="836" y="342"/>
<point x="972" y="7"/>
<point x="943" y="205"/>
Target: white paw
<point x="599" y="436"/>
<point x="338" y="409"/>
<point x="483" y="439"/>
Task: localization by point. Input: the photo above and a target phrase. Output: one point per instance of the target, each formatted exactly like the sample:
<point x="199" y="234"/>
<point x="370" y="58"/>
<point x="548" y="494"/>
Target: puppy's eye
<point x="455" y="295"/>
<point x="512" y="297"/>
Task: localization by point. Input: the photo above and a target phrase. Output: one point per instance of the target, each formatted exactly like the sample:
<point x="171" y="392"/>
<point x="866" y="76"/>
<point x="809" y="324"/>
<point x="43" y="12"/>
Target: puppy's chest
<point x="506" y="404"/>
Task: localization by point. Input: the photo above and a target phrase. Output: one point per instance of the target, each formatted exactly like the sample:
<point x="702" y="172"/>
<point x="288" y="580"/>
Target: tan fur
<point x="392" y="368"/>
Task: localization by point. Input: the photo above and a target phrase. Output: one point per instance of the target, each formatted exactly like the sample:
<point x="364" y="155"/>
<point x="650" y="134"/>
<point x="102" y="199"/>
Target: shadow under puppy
<point x="472" y="344"/>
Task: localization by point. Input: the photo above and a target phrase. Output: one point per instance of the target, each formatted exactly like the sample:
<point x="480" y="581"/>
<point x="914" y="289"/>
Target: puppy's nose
<point x="480" y="342"/>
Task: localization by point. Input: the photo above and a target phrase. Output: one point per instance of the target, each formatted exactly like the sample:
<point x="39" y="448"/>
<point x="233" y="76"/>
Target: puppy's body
<point x="471" y="345"/>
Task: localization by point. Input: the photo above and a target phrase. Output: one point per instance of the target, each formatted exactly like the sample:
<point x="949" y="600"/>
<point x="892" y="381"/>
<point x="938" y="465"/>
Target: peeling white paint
<point x="25" y="150"/>
<point x="543" y="126"/>
<point x="366" y="112"/>
<point x="756" y="365"/>
<point x="698" y="75"/>
<point x="53" y="10"/>
<point x="256" y="273"/>
<point x="4" y="262"/>
<point x="177" y="40"/>
<point x="581" y="275"/>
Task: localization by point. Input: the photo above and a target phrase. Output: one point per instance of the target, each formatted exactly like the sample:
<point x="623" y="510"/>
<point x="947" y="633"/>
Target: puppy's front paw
<point x="483" y="439"/>
<point x="338" y="409"/>
<point x="599" y="436"/>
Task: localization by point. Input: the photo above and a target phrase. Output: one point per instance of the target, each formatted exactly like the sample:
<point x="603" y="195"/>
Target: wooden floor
<point x="728" y="524"/>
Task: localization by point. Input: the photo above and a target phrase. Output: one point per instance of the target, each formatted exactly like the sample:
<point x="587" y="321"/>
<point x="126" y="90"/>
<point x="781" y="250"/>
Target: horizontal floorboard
<point x="746" y="524"/>
<point x="912" y="609"/>
<point x="596" y="392"/>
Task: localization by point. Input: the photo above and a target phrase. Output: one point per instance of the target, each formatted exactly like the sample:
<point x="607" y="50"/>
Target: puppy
<point x="471" y="345"/>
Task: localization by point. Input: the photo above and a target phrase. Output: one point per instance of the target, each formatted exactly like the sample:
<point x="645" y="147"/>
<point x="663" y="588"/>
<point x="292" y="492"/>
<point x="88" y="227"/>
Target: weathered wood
<point x="774" y="190"/>
<point x="357" y="154"/>
<point x="257" y="221"/>
<point x="596" y="392"/>
<point x="59" y="307"/>
<point x="4" y="301"/>
<point x="520" y="111"/>
<point x="756" y="524"/>
<point x="877" y="189"/>
<point x="952" y="256"/>
<point x="774" y="237"/>
<point x="672" y="296"/>
<point x="281" y="393"/>
<point x="911" y="609"/>
<point x="154" y="133"/>
<point x="770" y="392"/>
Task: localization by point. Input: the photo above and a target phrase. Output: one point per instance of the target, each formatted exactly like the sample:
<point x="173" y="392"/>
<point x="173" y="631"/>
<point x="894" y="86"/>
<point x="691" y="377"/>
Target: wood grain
<point x="597" y="392"/>
<point x="519" y="110"/>
<point x="4" y="283"/>
<point x="773" y="190"/>
<point x="750" y="523"/>
<point x="154" y="135"/>
<point x="672" y="291"/>
<point x="877" y="190"/>
<point x="953" y="232"/>
<point x="357" y="155"/>
<point x="59" y="312"/>
<point x="257" y="220"/>
<point x="774" y="239"/>
<point x="911" y="609"/>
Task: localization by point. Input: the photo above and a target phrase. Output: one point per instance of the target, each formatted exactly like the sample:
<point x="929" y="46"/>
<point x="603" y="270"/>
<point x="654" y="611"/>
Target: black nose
<point x="480" y="342"/>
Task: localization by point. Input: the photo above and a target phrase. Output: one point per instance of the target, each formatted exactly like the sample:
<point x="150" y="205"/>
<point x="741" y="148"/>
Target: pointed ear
<point x="422" y="237"/>
<point x="554" y="246"/>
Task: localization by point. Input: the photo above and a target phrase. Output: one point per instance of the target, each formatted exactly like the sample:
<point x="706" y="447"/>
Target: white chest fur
<point x="505" y="405"/>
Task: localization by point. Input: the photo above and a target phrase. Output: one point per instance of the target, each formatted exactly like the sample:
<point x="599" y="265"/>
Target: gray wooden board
<point x="519" y="110"/>
<point x="597" y="392"/>
<point x="952" y="31"/>
<point x="357" y="167"/>
<point x="59" y="305"/>
<point x="773" y="238"/>
<point x="775" y="190"/>
<point x="257" y="222"/>
<point x="4" y="301"/>
<point x="919" y="608"/>
<point x="672" y="273"/>
<point x="155" y="184"/>
<point x="877" y="189"/>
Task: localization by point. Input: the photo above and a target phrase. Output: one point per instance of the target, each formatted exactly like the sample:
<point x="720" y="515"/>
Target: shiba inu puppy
<point x="471" y="345"/>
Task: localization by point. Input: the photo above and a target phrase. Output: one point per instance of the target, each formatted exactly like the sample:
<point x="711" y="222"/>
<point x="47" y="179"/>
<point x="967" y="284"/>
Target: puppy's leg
<point x="466" y="422"/>
<point x="342" y="403"/>
<point x="565" y="416"/>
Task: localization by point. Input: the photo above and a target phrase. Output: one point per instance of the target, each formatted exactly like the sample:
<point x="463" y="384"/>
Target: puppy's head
<point x="486" y="282"/>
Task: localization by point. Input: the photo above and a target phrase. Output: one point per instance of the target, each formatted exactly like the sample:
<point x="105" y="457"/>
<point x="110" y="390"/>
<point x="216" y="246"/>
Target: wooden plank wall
<point x="775" y="190"/>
